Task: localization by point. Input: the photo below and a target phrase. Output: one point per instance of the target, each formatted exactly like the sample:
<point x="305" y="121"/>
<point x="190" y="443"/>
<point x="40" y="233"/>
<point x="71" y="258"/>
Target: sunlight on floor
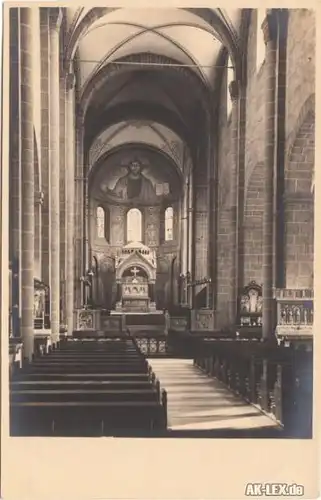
<point x="198" y="402"/>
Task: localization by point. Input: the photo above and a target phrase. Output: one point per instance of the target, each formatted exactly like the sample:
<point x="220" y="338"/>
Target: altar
<point x="135" y="279"/>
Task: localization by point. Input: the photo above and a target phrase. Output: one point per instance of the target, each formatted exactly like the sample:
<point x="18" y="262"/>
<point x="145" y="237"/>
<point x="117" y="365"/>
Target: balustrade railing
<point x="152" y="347"/>
<point x="278" y="380"/>
<point x="295" y="312"/>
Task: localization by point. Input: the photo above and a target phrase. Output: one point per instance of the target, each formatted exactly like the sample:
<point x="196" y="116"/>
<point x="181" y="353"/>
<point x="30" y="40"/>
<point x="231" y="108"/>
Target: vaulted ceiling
<point x="158" y="65"/>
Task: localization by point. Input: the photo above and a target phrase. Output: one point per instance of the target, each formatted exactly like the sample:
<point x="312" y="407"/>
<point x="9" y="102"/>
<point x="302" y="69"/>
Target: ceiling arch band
<point x="132" y="37"/>
<point x="167" y="141"/>
<point x="112" y="69"/>
<point x="218" y="24"/>
<point x="134" y="111"/>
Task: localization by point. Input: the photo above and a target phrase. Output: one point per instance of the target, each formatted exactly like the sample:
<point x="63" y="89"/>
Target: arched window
<point x="229" y="79"/>
<point x="260" y="45"/>
<point x="169" y="215"/>
<point x="134" y="225"/>
<point x="100" y="222"/>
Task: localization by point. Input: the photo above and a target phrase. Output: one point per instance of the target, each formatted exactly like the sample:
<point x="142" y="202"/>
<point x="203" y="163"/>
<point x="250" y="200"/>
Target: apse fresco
<point x="136" y="179"/>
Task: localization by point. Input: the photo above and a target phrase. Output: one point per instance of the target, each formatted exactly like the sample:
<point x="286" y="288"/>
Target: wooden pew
<point x="87" y="388"/>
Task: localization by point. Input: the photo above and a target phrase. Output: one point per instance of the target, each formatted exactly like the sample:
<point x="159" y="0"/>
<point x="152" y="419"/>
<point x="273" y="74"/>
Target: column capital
<point x="269" y="28"/>
<point x="234" y="90"/>
<point x="55" y="18"/>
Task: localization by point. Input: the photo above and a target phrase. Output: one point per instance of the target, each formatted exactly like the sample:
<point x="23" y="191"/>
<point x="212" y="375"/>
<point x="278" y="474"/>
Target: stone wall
<point x="299" y="163"/>
<point x="299" y="154"/>
<point x="223" y="248"/>
<point x="300" y="64"/>
<point x="300" y="144"/>
<point x="253" y="227"/>
<point x="299" y="213"/>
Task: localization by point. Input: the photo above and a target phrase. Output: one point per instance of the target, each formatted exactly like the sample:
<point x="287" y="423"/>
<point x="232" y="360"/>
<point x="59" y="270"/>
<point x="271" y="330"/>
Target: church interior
<point x="161" y="221"/>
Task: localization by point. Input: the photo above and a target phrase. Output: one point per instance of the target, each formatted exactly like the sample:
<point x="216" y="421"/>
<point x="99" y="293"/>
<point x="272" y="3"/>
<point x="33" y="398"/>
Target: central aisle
<point x="197" y="402"/>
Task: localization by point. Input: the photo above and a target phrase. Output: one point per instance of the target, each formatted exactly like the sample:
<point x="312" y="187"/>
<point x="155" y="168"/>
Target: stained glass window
<point x="134" y="225"/>
<point x="169" y="215"/>
<point x="100" y="214"/>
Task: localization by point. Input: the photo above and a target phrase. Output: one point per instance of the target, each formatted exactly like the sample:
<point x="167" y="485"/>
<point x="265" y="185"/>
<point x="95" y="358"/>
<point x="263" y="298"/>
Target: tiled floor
<point x="197" y="402"/>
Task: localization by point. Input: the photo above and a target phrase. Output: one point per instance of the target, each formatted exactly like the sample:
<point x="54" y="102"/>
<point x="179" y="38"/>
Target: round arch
<point x="125" y="147"/>
<point x="163" y="64"/>
<point x="150" y="133"/>
<point x="136" y="111"/>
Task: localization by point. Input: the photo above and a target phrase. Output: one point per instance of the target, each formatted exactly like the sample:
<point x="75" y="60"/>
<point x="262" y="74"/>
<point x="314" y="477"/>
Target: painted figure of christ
<point x="135" y="185"/>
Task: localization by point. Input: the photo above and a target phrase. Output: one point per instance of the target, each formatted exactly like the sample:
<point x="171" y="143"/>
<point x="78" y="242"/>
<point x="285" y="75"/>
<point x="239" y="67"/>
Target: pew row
<point x="87" y="389"/>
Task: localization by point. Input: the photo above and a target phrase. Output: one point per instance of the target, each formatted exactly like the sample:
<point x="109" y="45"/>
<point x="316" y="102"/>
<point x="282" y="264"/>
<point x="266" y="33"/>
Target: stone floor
<point x="199" y="403"/>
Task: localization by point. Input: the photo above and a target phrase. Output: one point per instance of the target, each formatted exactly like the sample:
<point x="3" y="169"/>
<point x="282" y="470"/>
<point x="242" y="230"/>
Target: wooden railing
<point x="278" y="380"/>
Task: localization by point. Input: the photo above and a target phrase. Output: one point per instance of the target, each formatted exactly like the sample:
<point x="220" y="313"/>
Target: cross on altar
<point x="135" y="271"/>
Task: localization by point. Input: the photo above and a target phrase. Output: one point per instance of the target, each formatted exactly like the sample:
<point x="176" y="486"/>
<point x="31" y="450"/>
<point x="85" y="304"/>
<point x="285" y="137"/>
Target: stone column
<point x="269" y="30"/>
<point x="15" y="171"/>
<point x="79" y="258"/>
<point x="234" y="186"/>
<point x="118" y="294"/>
<point x="45" y="170"/>
<point x="54" y="166"/>
<point x="63" y="198"/>
<point x="211" y="227"/>
<point x="27" y="182"/>
<point x="190" y="236"/>
<point x="184" y="231"/>
<point x="70" y="199"/>
<point x="151" y="287"/>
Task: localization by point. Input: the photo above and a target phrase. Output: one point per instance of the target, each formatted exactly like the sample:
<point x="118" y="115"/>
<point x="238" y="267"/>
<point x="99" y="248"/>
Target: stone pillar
<point x="70" y="199"/>
<point x="211" y="227"/>
<point x="234" y="186"/>
<point x="79" y="258"/>
<point x="37" y="242"/>
<point x="190" y="236"/>
<point x="151" y="287"/>
<point x="63" y="198"/>
<point x="45" y="170"/>
<point x="200" y="230"/>
<point x="118" y="294"/>
<point x="54" y="166"/>
<point x="184" y="230"/>
<point x="270" y="36"/>
<point x="27" y="182"/>
<point x="15" y="171"/>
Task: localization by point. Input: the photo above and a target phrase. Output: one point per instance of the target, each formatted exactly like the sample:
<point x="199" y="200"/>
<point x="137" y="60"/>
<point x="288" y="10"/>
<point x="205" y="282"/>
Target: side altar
<point x="135" y="279"/>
